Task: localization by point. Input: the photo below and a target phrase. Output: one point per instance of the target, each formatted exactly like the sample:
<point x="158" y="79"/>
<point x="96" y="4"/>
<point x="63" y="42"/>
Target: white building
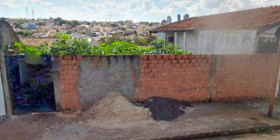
<point x="241" y="32"/>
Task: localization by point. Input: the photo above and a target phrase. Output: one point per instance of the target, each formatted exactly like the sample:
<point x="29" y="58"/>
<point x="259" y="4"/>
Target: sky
<point x="115" y="10"/>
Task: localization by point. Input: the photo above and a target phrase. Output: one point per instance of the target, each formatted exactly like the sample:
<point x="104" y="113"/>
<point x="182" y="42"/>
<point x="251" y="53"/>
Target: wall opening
<point x="30" y="83"/>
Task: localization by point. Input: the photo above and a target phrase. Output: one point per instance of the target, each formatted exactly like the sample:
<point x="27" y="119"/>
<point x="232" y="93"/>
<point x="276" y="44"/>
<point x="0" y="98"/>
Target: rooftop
<point x="246" y="19"/>
<point x="36" y="41"/>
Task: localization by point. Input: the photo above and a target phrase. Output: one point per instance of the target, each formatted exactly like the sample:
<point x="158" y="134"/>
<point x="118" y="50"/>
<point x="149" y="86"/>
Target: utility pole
<point x="275" y="83"/>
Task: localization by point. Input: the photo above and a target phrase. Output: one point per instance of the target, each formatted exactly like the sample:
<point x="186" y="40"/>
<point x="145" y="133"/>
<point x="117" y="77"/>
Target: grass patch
<point x="259" y="130"/>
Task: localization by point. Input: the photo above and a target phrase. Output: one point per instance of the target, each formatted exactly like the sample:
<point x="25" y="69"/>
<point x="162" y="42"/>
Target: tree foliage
<point x="67" y="46"/>
<point x="25" y="33"/>
<point x="59" y="21"/>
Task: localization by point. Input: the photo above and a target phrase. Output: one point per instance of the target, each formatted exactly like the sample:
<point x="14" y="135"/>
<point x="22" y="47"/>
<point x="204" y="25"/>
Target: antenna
<point x="33" y="13"/>
<point x="26" y="9"/>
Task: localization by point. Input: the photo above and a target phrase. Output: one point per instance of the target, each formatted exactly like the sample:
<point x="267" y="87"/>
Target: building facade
<point x="242" y="32"/>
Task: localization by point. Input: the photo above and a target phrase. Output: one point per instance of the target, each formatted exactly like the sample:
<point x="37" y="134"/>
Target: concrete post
<point x="7" y="37"/>
<point x="175" y="38"/>
<point x="185" y="37"/>
<point x="275" y="91"/>
<point x="2" y="101"/>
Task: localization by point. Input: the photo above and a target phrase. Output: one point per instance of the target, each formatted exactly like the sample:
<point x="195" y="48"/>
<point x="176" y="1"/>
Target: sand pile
<point x="115" y="108"/>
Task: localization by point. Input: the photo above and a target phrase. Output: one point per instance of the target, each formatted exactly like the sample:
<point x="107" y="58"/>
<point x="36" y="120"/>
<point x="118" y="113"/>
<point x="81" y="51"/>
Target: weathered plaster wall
<point x="56" y="81"/>
<point x="226" y="42"/>
<point x="7" y="37"/>
<point x="101" y="75"/>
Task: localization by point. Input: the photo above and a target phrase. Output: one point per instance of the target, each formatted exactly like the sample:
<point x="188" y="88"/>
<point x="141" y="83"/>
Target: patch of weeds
<point x="259" y="130"/>
<point x="253" y="118"/>
<point x="275" y="118"/>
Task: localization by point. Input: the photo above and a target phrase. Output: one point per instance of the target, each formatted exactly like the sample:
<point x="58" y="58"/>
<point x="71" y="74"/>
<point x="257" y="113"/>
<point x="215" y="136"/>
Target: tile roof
<point x="247" y="19"/>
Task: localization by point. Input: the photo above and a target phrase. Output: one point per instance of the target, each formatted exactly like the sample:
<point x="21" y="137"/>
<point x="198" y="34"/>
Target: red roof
<point x="247" y="19"/>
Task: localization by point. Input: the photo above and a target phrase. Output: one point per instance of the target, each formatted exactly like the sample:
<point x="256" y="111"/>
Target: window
<point x="171" y="39"/>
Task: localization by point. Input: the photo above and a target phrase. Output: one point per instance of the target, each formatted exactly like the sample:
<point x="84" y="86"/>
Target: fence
<point x="83" y="80"/>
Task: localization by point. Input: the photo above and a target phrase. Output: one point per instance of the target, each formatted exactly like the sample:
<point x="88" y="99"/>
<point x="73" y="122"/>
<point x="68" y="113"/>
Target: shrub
<point x="67" y="46"/>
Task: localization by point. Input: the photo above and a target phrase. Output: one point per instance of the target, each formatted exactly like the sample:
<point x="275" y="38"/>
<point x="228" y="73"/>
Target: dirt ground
<point x="262" y="136"/>
<point x="204" y="118"/>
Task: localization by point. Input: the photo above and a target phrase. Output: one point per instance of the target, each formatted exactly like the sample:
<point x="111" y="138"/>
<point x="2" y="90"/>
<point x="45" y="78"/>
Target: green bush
<point x="67" y="46"/>
<point x="21" y="49"/>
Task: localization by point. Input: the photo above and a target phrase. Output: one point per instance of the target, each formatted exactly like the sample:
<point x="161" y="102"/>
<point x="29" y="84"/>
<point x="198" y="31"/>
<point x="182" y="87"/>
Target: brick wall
<point x="182" y="77"/>
<point x="204" y="77"/>
<point x="244" y="76"/>
<point x="69" y="82"/>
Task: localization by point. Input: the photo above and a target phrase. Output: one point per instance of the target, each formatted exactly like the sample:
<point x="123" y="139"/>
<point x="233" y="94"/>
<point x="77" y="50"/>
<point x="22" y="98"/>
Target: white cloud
<point x="67" y="13"/>
<point x="153" y="10"/>
<point x="163" y="8"/>
<point x="206" y="7"/>
<point x="24" y="3"/>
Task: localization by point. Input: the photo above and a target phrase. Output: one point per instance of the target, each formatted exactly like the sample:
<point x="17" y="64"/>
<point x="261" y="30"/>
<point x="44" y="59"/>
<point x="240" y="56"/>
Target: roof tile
<point x="247" y="19"/>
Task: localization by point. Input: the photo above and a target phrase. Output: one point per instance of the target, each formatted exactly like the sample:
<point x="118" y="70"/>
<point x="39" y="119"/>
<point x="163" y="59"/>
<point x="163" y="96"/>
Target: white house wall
<point x="226" y="42"/>
<point x="191" y="42"/>
<point x="180" y="40"/>
<point x="161" y="36"/>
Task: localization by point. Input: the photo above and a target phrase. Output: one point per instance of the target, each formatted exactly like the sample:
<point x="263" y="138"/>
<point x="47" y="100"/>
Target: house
<point x="36" y="41"/>
<point x="242" y="32"/>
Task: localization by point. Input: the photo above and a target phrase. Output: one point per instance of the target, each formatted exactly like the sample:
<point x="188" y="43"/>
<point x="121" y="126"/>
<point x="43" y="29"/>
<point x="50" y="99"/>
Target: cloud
<point x="65" y="13"/>
<point x="206" y="7"/>
<point x="24" y="3"/>
<point x="137" y="10"/>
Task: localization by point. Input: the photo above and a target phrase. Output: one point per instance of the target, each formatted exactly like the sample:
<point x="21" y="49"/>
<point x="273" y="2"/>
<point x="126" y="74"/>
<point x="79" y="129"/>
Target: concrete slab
<point x="203" y="120"/>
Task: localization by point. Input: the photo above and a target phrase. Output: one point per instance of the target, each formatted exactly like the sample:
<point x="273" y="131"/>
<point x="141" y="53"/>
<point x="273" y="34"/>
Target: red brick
<point x="144" y="65"/>
<point x="185" y="56"/>
<point x="179" y="56"/>
<point x="158" y="56"/>
<point x="172" y="56"/>
<point x="75" y="67"/>
<point x="152" y="65"/>
<point x="145" y="57"/>
<point x="158" y="65"/>
<point x="174" y="61"/>
<point x="181" y="61"/>
<point x="79" y="57"/>
<point x="165" y="57"/>
<point x="153" y="61"/>
<point x="67" y="57"/>
<point x="160" y="61"/>
<point x="158" y="74"/>
<point x="63" y="62"/>
<point x="191" y="56"/>
<point x="152" y="57"/>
